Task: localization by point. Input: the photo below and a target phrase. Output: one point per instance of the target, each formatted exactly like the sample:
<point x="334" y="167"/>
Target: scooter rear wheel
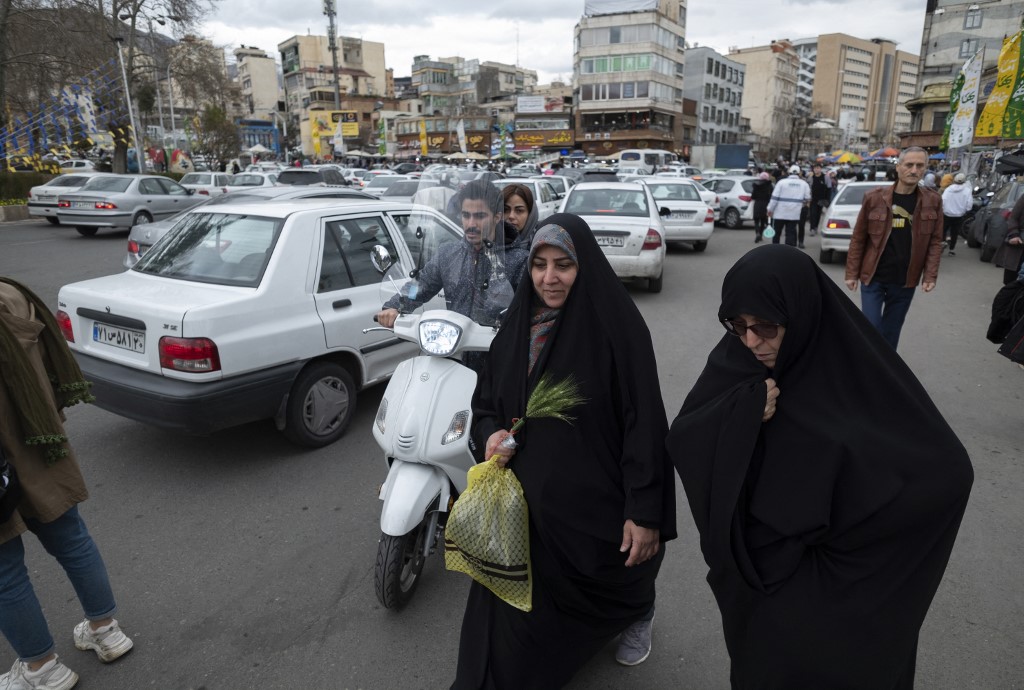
<point x="399" y="563"/>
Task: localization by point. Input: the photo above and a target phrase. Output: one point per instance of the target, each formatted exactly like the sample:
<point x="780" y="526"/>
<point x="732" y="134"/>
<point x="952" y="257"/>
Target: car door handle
<point x="341" y="303"/>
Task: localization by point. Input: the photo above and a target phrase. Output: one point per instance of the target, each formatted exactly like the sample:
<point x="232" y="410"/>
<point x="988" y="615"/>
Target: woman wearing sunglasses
<point x="827" y="505"/>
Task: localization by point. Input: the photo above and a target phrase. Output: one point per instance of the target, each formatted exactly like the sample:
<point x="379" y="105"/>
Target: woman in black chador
<point x="600" y="490"/>
<point x="826" y="486"/>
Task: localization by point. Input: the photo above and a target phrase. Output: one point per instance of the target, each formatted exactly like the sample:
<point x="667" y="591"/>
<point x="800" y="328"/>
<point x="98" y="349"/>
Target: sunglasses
<point x="739" y="328"/>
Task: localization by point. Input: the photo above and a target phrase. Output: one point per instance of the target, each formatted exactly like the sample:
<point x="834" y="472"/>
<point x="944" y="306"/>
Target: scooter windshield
<point x="462" y="257"/>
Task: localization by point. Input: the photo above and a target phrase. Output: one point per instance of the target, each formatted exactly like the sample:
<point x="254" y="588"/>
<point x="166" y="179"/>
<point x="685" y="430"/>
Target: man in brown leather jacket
<point x="898" y="236"/>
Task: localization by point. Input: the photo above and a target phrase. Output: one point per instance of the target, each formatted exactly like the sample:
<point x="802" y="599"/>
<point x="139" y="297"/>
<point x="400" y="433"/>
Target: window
<point x="707" y="90"/>
<point x="711" y="66"/>
<point x="347" y="248"/>
<point x="615" y="34"/>
<point x="972" y="20"/>
<point x="939" y="120"/>
<point x="968" y="47"/>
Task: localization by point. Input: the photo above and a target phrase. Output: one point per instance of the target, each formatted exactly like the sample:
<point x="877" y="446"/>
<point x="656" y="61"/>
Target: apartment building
<point x="716" y="84"/>
<point x="769" y="94"/>
<point x="258" y="82"/>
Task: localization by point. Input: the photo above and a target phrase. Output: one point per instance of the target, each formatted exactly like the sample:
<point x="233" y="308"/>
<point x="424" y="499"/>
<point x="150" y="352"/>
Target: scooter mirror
<point x="381" y="259"/>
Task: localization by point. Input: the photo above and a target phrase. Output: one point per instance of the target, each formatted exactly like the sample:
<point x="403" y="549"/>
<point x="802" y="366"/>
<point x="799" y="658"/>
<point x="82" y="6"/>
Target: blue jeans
<point x="787" y="226"/>
<point x="21" y="616"/>
<point x="886" y="306"/>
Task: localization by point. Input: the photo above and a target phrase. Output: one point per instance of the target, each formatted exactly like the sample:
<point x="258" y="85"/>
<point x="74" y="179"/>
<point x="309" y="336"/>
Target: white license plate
<point x="82" y="204"/>
<point x="44" y="197"/>
<point x="124" y="338"/>
<point x="682" y="215"/>
<point x="610" y="241"/>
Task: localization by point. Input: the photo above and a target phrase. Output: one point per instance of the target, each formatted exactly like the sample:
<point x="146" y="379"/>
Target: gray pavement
<point x="240" y="561"/>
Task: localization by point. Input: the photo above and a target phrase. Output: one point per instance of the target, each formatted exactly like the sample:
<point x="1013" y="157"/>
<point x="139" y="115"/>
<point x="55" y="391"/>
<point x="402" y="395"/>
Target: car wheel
<point x="85" y="230"/>
<point x="141" y="218"/>
<point x="825" y="256"/>
<point x="320" y="405"/>
<point x="700" y="245"/>
<point x="52" y="220"/>
<point x="732" y="218"/>
<point x="969" y="236"/>
<point x="987" y="252"/>
<point x="654" y="284"/>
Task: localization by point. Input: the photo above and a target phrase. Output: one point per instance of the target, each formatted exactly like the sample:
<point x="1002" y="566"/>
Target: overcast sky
<point x="540" y="32"/>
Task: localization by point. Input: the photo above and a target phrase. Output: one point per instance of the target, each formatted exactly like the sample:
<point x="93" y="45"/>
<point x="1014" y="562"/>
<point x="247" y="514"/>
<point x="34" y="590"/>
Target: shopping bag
<point x="1013" y="344"/>
<point x="488" y="535"/>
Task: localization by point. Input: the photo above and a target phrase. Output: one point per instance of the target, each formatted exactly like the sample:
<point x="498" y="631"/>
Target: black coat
<point x="827" y="528"/>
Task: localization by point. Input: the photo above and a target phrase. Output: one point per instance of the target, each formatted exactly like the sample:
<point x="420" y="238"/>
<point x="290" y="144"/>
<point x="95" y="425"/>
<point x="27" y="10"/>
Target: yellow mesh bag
<point x="488" y="535"/>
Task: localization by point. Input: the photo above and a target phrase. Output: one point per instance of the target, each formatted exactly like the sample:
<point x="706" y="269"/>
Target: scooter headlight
<point x="457" y="429"/>
<point x="382" y="413"/>
<point x="439" y="337"/>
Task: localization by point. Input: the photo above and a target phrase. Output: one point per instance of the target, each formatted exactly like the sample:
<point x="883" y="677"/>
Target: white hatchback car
<point x="691" y="219"/>
<point x="249" y="311"/>
<point x="626" y="221"/>
<point x="836" y="225"/>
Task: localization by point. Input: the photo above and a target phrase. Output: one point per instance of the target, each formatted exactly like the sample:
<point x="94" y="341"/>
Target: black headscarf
<point x="582" y="481"/>
<point x="827" y="528"/>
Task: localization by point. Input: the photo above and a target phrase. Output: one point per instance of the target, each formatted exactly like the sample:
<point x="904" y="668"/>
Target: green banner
<point x="1013" y="118"/>
<point x="954" y="104"/>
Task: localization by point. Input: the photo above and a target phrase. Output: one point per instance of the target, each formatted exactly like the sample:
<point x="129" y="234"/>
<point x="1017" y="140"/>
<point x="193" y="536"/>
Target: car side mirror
<point x="189" y="191"/>
<point x="381" y="259"/>
<point x="664" y="211"/>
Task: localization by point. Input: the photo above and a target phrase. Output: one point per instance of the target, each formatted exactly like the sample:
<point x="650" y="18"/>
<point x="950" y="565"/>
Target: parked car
<point x="836" y="226"/>
<point x="245" y="312"/>
<point x="207" y="183"/>
<point x="248" y="180"/>
<point x="77" y="165"/>
<point x="467" y="176"/>
<point x="560" y="183"/>
<point x="123" y="201"/>
<point x="523" y="169"/>
<point x="631" y="170"/>
<point x="42" y="199"/>
<point x="403" y="190"/>
<point x="989" y="226"/>
<point x="142" y="237"/>
<point x="544" y="196"/>
<point x="734" y="198"/>
<point x="406" y="168"/>
<point x="378" y="184"/>
<point x="308" y="176"/>
<point x="691" y="218"/>
<point x="626" y="221"/>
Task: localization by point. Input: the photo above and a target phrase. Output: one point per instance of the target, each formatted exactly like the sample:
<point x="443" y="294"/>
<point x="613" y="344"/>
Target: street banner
<point x="991" y="122"/>
<point x="460" y="130"/>
<point x="382" y="136"/>
<point x="1013" y="118"/>
<point x="423" y="137"/>
<point x="348" y="120"/>
<point x="961" y="132"/>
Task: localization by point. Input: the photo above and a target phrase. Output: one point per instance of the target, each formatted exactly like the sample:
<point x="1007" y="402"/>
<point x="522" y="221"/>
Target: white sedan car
<point x="249" y="311"/>
<point x="691" y="219"/>
<point x="207" y="183"/>
<point x="836" y="225"/>
<point x="42" y="199"/>
<point x="626" y="221"/>
<point x="249" y="180"/>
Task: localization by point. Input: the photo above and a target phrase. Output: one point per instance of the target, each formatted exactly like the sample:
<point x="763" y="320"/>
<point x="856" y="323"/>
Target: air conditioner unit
<point x="587" y="136"/>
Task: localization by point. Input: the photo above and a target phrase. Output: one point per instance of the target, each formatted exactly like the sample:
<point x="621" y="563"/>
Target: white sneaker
<point x="52" y="675"/>
<point x="108" y="642"/>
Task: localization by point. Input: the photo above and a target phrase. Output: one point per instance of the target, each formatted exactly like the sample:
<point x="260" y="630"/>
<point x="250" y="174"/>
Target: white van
<point x="652" y="160"/>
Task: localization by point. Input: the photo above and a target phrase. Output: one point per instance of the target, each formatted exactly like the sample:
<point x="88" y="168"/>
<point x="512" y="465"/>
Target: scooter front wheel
<point x="399" y="563"/>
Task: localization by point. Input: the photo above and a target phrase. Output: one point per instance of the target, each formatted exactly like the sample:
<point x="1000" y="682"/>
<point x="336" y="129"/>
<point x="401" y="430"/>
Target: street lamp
<point x="139" y="156"/>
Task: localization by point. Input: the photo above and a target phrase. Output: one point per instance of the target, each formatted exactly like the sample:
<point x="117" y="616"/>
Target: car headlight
<point x="457" y="429"/>
<point x="382" y="413"/>
<point x="439" y="337"/>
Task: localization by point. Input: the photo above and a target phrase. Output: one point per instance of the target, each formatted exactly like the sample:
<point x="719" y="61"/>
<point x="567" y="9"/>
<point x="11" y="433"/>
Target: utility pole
<point x="332" y="44"/>
<point x="139" y="155"/>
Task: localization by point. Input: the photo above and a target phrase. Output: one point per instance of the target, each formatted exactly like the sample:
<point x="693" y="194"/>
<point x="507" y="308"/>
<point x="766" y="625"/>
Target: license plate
<point x="124" y="338"/>
<point x="610" y="241"/>
<point x="44" y="197"/>
<point x="81" y="204"/>
<point x="682" y="215"/>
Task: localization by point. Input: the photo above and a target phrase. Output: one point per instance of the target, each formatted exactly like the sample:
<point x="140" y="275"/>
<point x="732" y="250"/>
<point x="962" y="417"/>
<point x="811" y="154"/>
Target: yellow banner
<point x="319" y="126"/>
<point x="423" y="137"/>
<point x="349" y="120"/>
<point x="991" y="122"/>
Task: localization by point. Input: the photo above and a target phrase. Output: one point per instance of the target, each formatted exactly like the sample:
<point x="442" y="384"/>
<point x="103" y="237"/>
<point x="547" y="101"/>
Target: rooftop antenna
<point x="517" y="43"/>
<point x="332" y="45"/>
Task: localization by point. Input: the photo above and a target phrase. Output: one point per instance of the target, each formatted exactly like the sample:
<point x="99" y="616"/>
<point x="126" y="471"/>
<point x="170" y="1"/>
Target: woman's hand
<point x="493" y="447"/>
<point x="641" y="542"/>
<point x="769" y="405"/>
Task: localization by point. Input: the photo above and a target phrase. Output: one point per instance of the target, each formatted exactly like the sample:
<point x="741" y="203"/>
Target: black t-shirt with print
<point x="895" y="259"/>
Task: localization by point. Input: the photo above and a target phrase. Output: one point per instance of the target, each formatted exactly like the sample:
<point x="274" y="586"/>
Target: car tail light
<point x="64" y="321"/>
<point x="133" y="247"/>
<point x="710" y="216"/>
<point x="106" y="205"/>
<point x="204" y="191"/>
<point x="653" y="239"/>
<point x="63" y="204"/>
<point x="834" y="223"/>
<point x="195" y="355"/>
<point x="745" y="198"/>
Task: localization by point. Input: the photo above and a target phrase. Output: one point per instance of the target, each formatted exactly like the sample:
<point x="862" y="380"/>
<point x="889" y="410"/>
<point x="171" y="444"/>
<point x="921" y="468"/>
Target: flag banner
<point x="954" y="105"/>
<point x="991" y="122"/>
<point x="423" y="138"/>
<point x="460" y="130"/>
<point x="961" y="132"/>
<point x="1013" y="117"/>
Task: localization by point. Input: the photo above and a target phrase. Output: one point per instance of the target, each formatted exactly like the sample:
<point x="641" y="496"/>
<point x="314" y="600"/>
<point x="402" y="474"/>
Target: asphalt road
<point x="240" y="561"/>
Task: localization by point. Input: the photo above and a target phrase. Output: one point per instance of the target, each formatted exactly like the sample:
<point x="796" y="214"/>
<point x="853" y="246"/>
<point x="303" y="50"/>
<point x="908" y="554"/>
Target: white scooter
<point x="423" y="426"/>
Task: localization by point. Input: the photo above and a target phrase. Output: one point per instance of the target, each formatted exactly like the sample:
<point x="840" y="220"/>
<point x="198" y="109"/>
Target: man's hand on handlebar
<point x="386" y="317"/>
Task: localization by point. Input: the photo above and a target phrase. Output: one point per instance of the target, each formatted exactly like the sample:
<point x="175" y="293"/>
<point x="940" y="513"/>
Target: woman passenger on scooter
<point x="600" y="489"/>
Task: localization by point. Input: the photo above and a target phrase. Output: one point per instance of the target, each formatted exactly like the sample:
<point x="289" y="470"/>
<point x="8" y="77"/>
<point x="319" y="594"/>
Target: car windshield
<point x="225" y="249"/>
<point x="383" y="181"/>
<point x="673" y="192"/>
<point x="611" y="202"/>
<point x="248" y="180"/>
<point x="468" y="175"/>
<point x="298" y="177"/>
<point x="107" y="184"/>
<point x="68" y="181"/>
<point x="403" y="188"/>
<point x="196" y="178"/>
<point x="854" y="195"/>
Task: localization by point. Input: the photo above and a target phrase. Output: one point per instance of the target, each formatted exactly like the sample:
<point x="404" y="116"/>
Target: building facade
<point x="769" y="95"/>
<point x="715" y="83"/>
<point x="452" y="86"/>
<point x="258" y="81"/>
<point x="628" y="71"/>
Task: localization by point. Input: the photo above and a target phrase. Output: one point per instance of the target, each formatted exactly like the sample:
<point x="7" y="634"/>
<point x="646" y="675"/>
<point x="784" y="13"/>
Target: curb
<point x="10" y="213"/>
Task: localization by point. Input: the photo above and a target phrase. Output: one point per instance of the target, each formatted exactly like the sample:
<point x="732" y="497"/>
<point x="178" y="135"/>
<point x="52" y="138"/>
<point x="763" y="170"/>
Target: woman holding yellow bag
<point x="599" y="489"/>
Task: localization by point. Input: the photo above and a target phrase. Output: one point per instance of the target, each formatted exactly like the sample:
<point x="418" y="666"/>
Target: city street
<point x="239" y="560"/>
